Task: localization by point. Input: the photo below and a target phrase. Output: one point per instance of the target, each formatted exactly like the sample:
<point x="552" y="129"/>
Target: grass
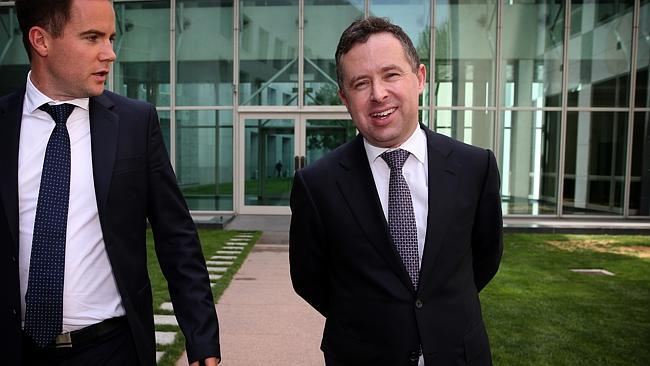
<point x="538" y="312"/>
<point x="211" y="241"/>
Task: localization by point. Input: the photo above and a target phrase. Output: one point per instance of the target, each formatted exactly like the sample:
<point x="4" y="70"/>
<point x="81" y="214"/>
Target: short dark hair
<point x="51" y="15"/>
<point x="359" y="32"/>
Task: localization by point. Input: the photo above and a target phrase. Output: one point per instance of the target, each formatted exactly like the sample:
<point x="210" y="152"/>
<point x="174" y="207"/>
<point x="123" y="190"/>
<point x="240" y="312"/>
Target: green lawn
<point x="211" y="241"/>
<point x="538" y="312"/>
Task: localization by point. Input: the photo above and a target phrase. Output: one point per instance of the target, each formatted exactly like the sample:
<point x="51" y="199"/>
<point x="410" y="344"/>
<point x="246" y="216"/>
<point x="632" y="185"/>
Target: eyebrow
<point x="95" y="32"/>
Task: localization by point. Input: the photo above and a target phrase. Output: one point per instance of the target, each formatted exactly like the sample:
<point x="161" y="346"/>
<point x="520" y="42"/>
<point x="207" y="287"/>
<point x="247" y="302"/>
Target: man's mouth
<point x="383" y="114"/>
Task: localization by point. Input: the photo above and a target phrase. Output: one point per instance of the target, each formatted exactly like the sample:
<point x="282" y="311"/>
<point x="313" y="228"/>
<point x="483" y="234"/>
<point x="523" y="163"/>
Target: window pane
<point x="471" y="127"/>
<point x="595" y="163"/>
<point x="142" y="48"/>
<point x="268" y="161"/>
<point x="268" y="53"/>
<point x="643" y="57"/>
<point x="204" y="158"/>
<point x="325" y="20"/>
<point x="204" y="32"/>
<point x="164" y="117"/>
<point x="599" y="53"/>
<point x="465" y="52"/>
<point x="530" y="143"/>
<point x="414" y="16"/>
<point x="640" y="184"/>
<point x="14" y="63"/>
<point x="531" y="63"/>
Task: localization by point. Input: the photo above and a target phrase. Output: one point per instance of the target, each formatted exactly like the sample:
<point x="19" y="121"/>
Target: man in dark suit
<point x="394" y="234"/>
<point x="83" y="296"/>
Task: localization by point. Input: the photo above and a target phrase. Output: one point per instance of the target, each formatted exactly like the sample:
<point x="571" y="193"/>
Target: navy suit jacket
<point x="344" y="264"/>
<point x="134" y="182"/>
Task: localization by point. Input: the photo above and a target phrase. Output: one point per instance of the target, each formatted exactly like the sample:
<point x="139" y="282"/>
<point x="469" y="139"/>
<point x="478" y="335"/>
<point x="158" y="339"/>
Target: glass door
<point x="274" y="145"/>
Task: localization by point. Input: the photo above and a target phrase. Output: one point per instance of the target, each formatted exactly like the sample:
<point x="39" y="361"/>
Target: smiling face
<point x="381" y="90"/>
<point x="75" y="64"/>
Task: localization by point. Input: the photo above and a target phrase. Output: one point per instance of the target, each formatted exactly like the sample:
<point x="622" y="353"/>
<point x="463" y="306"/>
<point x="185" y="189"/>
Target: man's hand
<point x="212" y="361"/>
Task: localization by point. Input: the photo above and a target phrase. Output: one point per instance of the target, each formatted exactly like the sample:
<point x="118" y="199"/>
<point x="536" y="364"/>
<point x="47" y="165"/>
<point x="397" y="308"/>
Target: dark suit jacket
<point x="344" y="264"/>
<point x="134" y="182"/>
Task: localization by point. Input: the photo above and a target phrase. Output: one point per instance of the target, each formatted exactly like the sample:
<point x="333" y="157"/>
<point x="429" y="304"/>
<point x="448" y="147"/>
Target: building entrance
<point x="272" y="146"/>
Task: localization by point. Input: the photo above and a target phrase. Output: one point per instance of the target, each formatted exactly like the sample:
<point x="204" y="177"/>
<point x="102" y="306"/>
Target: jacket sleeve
<point x="487" y="235"/>
<point x="179" y="251"/>
<point x="307" y="255"/>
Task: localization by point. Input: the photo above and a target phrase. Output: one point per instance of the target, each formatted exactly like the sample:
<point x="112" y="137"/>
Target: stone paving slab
<point x="217" y="269"/>
<point x="218" y="263"/>
<point x="236" y="243"/>
<point x="165" y="338"/>
<point x="223" y="257"/>
<point x="167" y="306"/>
<point x="228" y="252"/>
<point x="165" y="320"/>
<point x="159" y="355"/>
<point x="240" y="239"/>
<point x="214" y="277"/>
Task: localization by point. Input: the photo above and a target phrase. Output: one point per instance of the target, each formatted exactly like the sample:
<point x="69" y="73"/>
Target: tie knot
<point x="396" y="158"/>
<point x="59" y="112"/>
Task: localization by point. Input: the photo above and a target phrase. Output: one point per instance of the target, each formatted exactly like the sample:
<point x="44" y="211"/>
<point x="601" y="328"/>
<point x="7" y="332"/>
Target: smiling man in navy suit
<point x="394" y="234"/>
<point x="93" y="179"/>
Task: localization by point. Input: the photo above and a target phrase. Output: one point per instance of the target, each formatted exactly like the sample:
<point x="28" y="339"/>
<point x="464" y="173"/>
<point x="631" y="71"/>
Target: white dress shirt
<point x="416" y="173"/>
<point x="90" y="293"/>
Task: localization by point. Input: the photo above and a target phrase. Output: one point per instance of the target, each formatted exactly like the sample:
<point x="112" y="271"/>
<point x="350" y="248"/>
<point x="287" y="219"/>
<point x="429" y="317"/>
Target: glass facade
<point x="246" y="92"/>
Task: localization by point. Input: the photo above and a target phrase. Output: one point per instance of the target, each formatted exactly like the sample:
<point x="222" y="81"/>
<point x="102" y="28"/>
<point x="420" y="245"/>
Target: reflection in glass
<point x="204" y="32"/>
<point x="14" y="64"/>
<point x="414" y="17"/>
<point x="204" y="158"/>
<point x="268" y="53"/>
<point x="465" y="37"/>
<point x="471" y="127"/>
<point x="531" y="59"/>
<point x="530" y="145"/>
<point x="325" y="135"/>
<point x="600" y="53"/>
<point x="595" y="163"/>
<point x="320" y="67"/>
<point x="643" y="58"/>
<point x="142" y="48"/>
<point x="268" y="161"/>
<point x="640" y="180"/>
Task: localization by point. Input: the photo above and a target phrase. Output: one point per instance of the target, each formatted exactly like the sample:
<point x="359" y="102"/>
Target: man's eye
<point x="360" y="85"/>
<point x="92" y="38"/>
<point x="392" y="75"/>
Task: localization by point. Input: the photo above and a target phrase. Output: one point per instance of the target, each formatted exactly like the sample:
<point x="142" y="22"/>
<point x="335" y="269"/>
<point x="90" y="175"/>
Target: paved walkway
<point x="262" y="321"/>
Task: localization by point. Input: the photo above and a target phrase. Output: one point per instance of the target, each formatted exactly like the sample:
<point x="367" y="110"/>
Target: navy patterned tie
<point x="44" y="298"/>
<point x="401" y="217"/>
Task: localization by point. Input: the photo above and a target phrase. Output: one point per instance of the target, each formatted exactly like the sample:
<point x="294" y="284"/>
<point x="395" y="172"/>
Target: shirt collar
<point x="34" y="98"/>
<point x="416" y="145"/>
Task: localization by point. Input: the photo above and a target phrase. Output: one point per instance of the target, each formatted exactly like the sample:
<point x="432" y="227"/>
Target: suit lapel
<point x="443" y="184"/>
<point x="10" y="119"/>
<point x="104" y="129"/>
<point x="359" y="191"/>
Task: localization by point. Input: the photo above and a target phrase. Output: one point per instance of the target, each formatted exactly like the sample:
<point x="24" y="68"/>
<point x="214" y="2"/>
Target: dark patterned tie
<point x="401" y="217"/>
<point x="44" y="298"/>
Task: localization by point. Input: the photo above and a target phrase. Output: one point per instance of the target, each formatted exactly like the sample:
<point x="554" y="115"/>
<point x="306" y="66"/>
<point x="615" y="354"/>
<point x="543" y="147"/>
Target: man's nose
<point x="107" y="53"/>
<point x="379" y="91"/>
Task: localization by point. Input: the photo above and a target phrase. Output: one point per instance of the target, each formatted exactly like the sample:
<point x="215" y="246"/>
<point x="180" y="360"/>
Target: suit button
<point x="418" y="303"/>
<point x="414" y="356"/>
<point x="14" y="312"/>
<point x="13" y="259"/>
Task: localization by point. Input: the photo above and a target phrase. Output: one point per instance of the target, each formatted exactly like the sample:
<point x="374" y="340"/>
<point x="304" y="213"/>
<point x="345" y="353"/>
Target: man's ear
<point x="343" y="97"/>
<point x="39" y="39"/>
